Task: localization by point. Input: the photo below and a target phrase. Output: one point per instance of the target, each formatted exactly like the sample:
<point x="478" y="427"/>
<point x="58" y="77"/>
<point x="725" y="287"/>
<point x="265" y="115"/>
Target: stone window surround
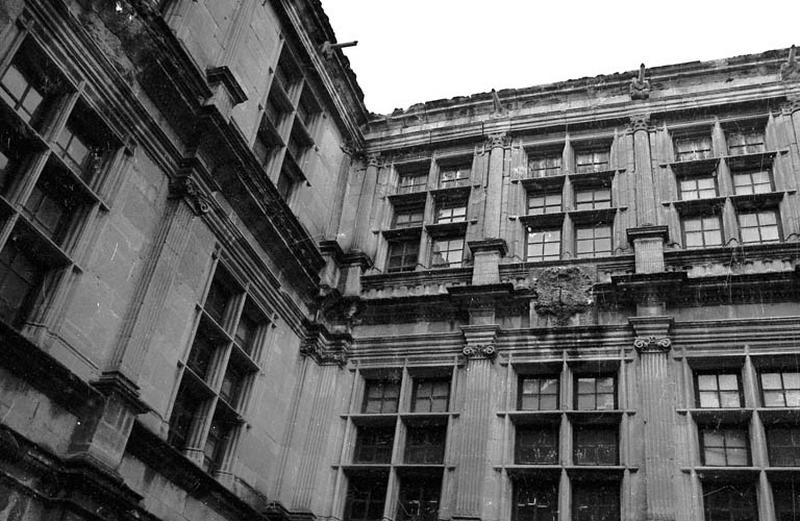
<point x="92" y="176"/>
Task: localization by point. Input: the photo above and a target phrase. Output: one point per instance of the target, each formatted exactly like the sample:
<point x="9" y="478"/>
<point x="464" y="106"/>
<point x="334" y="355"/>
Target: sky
<point x="410" y="51"/>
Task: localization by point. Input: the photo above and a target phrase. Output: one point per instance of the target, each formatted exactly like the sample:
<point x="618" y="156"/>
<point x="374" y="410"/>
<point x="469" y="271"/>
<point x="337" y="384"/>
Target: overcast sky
<point x="411" y="51"/>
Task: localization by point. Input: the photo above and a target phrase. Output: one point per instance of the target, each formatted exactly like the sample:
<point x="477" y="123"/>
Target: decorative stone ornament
<point x="499" y="140"/>
<point x="562" y="293"/>
<point x="640" y="87"/>
<point x="639" y="122"/>
<point x="791" y="69"/>
<point x="480" y="350"/>
<point x="652" y="344"/>
<point x="187" y="188"/>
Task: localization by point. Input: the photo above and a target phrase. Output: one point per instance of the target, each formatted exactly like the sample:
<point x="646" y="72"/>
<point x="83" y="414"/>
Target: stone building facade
<point x="228" y="291"/>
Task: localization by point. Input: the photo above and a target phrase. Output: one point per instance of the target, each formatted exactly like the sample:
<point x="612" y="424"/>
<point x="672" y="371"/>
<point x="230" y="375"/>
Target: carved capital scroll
<point x="189" y="189"/>
<point x="499" y="140"/>
<point x="488" y="351"/>
<point x="639" y="122"/>
<point x="652" y="344"/>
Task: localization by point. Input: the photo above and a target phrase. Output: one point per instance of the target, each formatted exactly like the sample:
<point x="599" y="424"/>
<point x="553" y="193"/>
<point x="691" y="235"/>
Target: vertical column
<point x="646" y="209"/>
<point x="473" y="464"/>
<point x="658" y="410"/>
<point x="316" y="435"/>
<point x="364" y="240"/>
<point x="494" y="186"/>
<point x="487" y="251"/>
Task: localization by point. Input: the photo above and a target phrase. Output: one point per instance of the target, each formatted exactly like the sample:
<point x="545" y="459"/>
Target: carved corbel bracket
<point x="791" y="69"/>
<point x="640" y="87"/>
<point x="187" y="188"/>
<point x="323" y="346"/>
<point x="374" y="160"/>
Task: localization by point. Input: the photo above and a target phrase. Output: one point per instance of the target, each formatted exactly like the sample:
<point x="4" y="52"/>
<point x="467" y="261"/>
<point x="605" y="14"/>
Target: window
<point x="274" y="112"/>
<point x="287" y="185"/>
<point x="450" y="176"/>
<point x="595" y="502"/>
<point x="54" y="203"/>
<point x="591" y="161"/>
<point x="262" y="149"/>
<point x="718" y="390"/>
<point x="538" y="393"/>
<point x="780" y="389"/>
<point x="425" y="444"/>
<point x="691" y="148"/>
<point x="412" y="182"/>
<point x="724" y="447"/>
<point x="747" y="183"/>
<point x="759" y="227"/>
<point x="80" y="146"/>
<point x="536" y="445"/>
<point x="595" y="393"/>
<point x="787" y="501"/>
<point x="543" y="245"/>
<point x="784" y="446"/>
<point x="545" y="166"/>
<point x="403" y="255"/>
<point x="702" y="231"/>
<point x="727" y="502"/>
<point x="374" y="445"/>
<point x="447" y="253"/>
<point x="535" y="500"/>
<point x="20" y="276"/>
<point x="745" y="141"/>
<point x="32" y="85"/>
<point x="298" y="144"/>
<point x="381" y="396"/>
<point x="419" y="498"/>
<point x="595" y="446"/>
<point x="365" y="496"/>
<point x="307" y="109"/>
<point x="593" y="241"/>
<point x="592" y="198"/>
<point x="451" y="212"/>
<point x="698" y="188"/>
<point x="216" y="440"/>
<point x="431" y="395"/>
<point x="12" y="155"/>
<point x="227" y="313"/>
<point x="58" y="172"/>
<point x="407" y="217"/>
<point x="544" y="202"/>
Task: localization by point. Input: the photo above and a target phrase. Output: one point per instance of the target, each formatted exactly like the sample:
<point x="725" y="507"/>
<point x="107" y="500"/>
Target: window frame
<point x="578" y="394"/>
<point x="459" y="252"/>
<point x="595" y="253"/>
<point x="760" y="227"/>
<point x="543" y="443"/>
<point x="724" y="431"/>
<point x="384" y="384"/>
<point x="545" y="234"/>
<point x="592" y="435"/>
<point x="528" y="488"/>
<point x="540" y="379"/>
<point x="718" y="391"/>
<point x="409" y="252"/>
<point x="432" y="397"/>
<point x="783" y="389"/>
<point x="702" y="232"/>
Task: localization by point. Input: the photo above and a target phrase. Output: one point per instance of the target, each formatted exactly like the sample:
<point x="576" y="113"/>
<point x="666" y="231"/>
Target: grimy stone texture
<point x="184" y="93"/>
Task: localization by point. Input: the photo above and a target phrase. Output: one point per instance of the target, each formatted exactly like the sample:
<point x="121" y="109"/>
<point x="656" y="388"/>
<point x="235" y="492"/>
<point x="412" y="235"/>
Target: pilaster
<point x="103" y="434"/>
<point x="494" y="186"/>
<point x="646" y="209"/>
<point x="473" y="462"/>
<point x="364" y="239"/>
<point x="657" y="397"/>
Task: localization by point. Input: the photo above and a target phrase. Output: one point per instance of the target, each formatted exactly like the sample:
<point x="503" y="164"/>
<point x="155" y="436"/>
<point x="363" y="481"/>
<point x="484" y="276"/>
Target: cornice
<point x="617" y="81"/>
<point x="616" y="108"/>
